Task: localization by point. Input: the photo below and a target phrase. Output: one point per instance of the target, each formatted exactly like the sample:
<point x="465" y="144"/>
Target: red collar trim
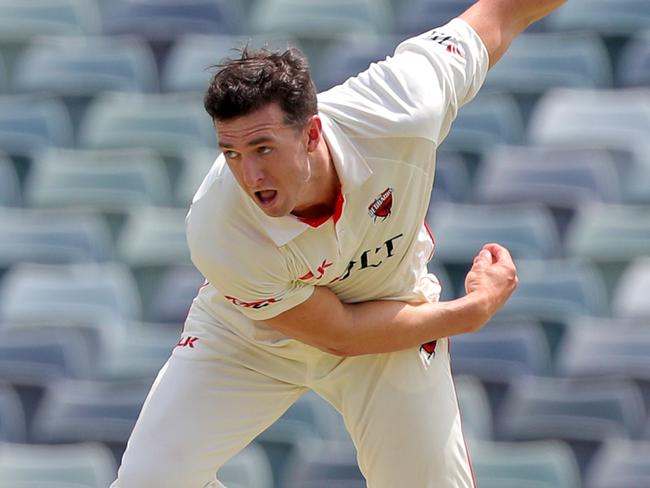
<point x="318" y="221"/>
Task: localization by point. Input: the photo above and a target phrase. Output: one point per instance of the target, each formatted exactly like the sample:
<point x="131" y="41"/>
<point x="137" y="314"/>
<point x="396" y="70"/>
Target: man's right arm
<point x="380" y="326"/>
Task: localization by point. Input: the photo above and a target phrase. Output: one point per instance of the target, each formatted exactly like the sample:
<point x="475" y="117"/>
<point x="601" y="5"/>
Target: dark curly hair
<point x="259" y="77"/>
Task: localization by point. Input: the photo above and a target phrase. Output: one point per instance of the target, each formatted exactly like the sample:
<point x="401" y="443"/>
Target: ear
<point x="314" y="133"/>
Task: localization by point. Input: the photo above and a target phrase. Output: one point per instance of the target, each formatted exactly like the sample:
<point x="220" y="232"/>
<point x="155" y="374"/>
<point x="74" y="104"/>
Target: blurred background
<point x="103" y="140"/>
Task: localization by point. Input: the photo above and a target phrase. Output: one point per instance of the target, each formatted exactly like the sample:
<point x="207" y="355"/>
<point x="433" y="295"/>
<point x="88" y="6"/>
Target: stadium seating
<point x="195" y="165"/>
<point x="12" y="418"/>
<point x="452" y="180"/>
<point x="309" y="419"/>
<point x="191" y="56"/>
<point x="21" y="21"/>
<point x="249" y="468"/>
<point x="350" y="55"/>
<point x="555" y="292"/>
<point x="609" y="236"/>
<point x="33" y="122"/>
<point x="324" y="464"/>
<point x="10" y="191"/>
<point x="607" y="347"/>
<point x="489" y="119"/>
<point x="533" y="464"/>
<point x="620" y="462"/>
<point x="582" y="412"/>
<point x="607" y="118"/>
<point x="4" y="83"/>
<point x="89" y="293"/>
<point x="169" y="19"/>
<point x="166" y="123"/>
<point x="111" y="181"/>
<point x="172" y="295"/>
<point x="52" y="236"/>
<point x="417" y="16"/>
<point x="630" y="298"/>
<point x="634" y="66"/>
<point x="85" y="465"/>
<point x="475" y="409"/>
<point x="498" y="354"/>
<point x="607" y="17"/>
<point x="76" y="69"/>
<point x="316" y="23"/>
<point x="75" y="411"/>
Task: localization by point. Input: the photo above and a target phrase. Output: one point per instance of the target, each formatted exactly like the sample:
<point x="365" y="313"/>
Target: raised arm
<point x="323" y="321"/>
<point x="498" y="22"/>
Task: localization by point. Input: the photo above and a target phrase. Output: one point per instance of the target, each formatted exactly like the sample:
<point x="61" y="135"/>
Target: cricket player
<point x="309" y="229"/>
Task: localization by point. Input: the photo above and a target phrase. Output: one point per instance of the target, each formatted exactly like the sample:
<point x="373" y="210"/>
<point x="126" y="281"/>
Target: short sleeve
<point x="243" y="264"/>
<point x="418" y="91"/>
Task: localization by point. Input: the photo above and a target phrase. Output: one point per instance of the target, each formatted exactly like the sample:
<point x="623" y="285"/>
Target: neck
<point x="323" y="186"/>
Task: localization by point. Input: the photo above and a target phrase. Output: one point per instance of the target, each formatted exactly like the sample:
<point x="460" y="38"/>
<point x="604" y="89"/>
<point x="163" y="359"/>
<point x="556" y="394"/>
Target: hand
<point x="494" y="275"/>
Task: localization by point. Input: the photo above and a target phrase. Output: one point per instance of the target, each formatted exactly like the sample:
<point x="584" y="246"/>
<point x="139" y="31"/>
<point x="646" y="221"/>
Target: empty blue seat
<point x="558" y="289"/>
<point x="607" y="17"/>
<point x="417" y="16"/>
<point x="250" y="467"/>
<point x="610" y="236"/>
<point x="85" y="411"/>
<point x="582" y="412"/>
<point x="22" y="21"/>
<point x="452" y="181"/>
<point x="195" y="165"/>
<point x="562" y="179"/>
<point x="104" y="180"/>
<point x="534" y="464"/>
<point x="188" y="64"/>
<point x="630" y="298"/>
<point x="166" y="123"/>
<point x="634" y="65"/>
<point x="87" y="465"/>
<point x="10" y="191"/>
<point x="50" y="236"/>
<point x="489" y="119"/>
<point x="12" y="417"/>
<point x="607" y="347"/>
<point x="77" y="69"/>
<point x="527" y="230"/>
<point x="498" y="354"/>
<point x="33" y="122"/>
<point x="620" y="462"/>
<point x="88" y="293"/>
<point x="607" y="118"/>
<point x="173" y="295"/>
<point x="351" y="55"/>
<point x="166" y="20"/>
<point x="474" y="405"/>
<point x="323" y="464"/>
<point x="536" y="62"/>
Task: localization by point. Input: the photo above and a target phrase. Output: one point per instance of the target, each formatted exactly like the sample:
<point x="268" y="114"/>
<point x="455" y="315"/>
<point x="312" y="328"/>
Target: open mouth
<point x="266" y="197"/>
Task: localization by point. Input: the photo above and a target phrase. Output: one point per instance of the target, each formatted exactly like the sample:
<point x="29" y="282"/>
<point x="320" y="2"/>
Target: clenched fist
<point x="494" y="275"/>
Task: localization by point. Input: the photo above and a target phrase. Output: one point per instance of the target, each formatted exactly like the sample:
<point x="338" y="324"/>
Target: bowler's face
<point x="267" y="157"/>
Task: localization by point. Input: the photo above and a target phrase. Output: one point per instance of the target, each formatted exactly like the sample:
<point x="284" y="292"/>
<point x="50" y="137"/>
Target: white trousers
<point x="219" y="391"/>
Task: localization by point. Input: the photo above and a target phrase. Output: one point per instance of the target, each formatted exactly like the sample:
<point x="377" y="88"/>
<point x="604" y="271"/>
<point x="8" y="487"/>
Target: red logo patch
<point x="382" y="205"/>
<point x="256" y="305"/>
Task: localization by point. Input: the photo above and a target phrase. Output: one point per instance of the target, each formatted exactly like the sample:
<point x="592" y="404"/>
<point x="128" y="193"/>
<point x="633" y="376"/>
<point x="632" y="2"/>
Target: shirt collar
<point x="351" y="168"/>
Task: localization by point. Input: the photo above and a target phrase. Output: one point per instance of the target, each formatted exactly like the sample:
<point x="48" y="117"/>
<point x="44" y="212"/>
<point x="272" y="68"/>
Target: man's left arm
<point x="498" y="22"/>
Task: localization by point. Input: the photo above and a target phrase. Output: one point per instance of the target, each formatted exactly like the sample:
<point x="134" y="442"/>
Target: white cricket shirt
<point x="383" y="128"/>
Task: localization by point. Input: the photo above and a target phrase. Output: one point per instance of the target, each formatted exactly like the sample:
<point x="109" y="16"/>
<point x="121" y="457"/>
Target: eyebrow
<point x="252" y="142"/>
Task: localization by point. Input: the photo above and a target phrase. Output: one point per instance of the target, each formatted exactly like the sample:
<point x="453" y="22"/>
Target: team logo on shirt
<point x="448" y="42"/>
<point x="428" y="350"/>
<point x="382" y="205"/>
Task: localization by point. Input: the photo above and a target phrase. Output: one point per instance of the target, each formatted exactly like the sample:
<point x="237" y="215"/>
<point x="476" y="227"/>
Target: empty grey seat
<point x="606" y="17"/>
<point x="630" y="298"/>
<point x="634" y="66"/>
<point x="10" y="191"/>
<point x="249" y="468"/>
<point x="52" y="236"/>
<point x="94" y="293"/>
<point x="618" y="463"/>
<point x="86" y="465"/>
<point x="12" y="417"/>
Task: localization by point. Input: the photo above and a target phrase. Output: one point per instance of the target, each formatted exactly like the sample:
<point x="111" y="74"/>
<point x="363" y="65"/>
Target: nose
<point x="252" y="173"/>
